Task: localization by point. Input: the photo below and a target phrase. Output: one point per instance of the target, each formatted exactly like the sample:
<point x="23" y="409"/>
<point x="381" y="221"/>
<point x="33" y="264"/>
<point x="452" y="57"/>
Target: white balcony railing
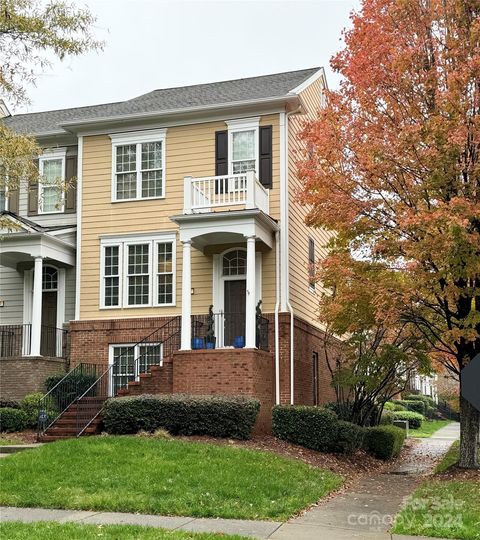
<point x="210" y="192"/>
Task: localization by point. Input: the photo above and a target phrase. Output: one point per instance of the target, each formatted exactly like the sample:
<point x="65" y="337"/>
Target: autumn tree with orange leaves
<point x="393" y="167"/>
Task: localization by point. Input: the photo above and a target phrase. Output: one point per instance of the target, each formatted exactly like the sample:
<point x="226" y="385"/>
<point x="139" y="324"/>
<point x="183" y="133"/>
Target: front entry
<point x="234" y="310"/>
<point x="48" y="343"/>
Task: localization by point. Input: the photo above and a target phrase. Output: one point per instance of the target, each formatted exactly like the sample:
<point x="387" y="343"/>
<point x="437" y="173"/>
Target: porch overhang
<point x="25" y="246"/>
<point x="225" y="227"/>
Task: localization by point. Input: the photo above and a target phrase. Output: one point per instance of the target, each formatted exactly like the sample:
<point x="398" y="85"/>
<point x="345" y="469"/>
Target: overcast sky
<point x="159" y="44"/>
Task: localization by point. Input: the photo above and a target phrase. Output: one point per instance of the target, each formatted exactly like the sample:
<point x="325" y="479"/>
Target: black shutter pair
<point x="264" y="158"/>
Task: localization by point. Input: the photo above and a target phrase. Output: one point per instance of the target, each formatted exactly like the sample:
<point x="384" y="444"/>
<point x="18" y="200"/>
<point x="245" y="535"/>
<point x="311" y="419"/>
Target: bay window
<point x="138" y="165"/>
<point x="138" y="272"/>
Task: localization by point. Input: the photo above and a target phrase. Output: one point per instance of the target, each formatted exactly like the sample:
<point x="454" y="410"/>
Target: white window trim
<point x="123" y="243"/>
<point x="137" y="138"/>
<point x="236" y="126"/>
<point x="49" y="155"/>
<point x="5" y="194"/>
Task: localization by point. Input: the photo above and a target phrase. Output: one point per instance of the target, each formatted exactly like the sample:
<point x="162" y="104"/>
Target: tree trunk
<point x="469" y="427"/>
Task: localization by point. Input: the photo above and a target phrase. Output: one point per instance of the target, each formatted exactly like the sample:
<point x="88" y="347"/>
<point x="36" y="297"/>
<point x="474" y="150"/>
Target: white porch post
<point x="250" y="313"/>
<point x="187" y="297"/>
<point x="250" y="198"/>
<point x="36" y="331"/>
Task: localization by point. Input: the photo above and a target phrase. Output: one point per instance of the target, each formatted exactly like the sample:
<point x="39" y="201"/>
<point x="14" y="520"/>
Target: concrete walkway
<point x="365" y="511"/>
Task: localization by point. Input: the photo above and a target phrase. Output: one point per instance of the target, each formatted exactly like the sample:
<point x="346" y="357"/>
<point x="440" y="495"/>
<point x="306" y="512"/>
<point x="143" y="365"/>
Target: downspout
<point x="285" y="250"/>
<point x="277" y="308"/>
<point x="79" y="227"/>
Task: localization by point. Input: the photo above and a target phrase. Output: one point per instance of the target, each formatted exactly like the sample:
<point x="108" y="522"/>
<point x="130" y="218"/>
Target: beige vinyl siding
<point x="190" y="151"/>
<point x="303" y="300"/>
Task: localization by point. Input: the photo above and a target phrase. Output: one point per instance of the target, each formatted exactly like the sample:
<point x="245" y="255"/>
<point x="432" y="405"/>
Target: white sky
<point x="159" y="44"/>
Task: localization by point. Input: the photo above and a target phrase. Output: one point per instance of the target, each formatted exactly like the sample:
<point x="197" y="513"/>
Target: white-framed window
<point x="138" y="165"/>
<point x="243" y="145"/>
<point x="129" y="360"/>
<point x="51" y="196"/>
<point x="3" y="199"/>
<point x="138" y="271"/>
<point x="311" y="264"/>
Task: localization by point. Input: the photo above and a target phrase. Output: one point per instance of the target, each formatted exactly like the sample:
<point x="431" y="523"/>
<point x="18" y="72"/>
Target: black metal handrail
<point x="90" y="404"/>
<point x="59" y="398"/>
<point x="15" y="339"/>
<point x="53" y="341"/>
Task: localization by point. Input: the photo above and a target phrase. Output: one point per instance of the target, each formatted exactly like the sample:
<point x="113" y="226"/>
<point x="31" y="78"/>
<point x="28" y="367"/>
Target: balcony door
<point x="48" y="342"/>
<point x="235" y="304"/>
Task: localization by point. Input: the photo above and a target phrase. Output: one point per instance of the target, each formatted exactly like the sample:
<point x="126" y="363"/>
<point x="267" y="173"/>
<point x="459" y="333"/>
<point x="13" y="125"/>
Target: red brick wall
<point x="24" y="375"/>
<point x="247" y="372"/>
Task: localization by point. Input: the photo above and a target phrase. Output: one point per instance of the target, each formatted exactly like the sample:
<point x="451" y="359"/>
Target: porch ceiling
<point x="16" y="248"/>
<point x="213" y="228"/>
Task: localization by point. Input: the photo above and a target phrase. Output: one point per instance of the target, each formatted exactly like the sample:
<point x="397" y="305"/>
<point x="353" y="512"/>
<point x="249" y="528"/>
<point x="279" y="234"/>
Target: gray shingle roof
<point x="185" y="97"/>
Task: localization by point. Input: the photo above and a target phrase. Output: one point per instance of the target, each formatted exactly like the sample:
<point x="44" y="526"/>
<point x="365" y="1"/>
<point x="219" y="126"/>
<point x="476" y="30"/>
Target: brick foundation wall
<point x="20" y="376"/>
<point x="247" y="372"/>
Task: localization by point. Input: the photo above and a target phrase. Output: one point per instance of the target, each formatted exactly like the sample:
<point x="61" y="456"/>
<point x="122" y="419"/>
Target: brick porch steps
<point x="156" y="381"/>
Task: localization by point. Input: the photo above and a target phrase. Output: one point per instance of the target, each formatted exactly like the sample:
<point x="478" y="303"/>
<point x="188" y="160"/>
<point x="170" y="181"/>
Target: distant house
<point x="183" y="199"/>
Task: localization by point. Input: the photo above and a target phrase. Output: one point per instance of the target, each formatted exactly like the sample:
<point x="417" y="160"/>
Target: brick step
<point x="66" y="423"/>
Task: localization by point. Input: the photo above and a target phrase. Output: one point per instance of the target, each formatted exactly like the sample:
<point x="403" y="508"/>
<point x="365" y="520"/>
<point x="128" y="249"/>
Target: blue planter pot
<point x="198" y="343"/>
<point x="210" y="344"/>
<point x="239" y="342"/>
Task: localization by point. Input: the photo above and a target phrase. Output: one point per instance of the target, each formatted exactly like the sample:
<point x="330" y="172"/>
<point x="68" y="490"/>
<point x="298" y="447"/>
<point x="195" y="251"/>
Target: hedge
<point x="64" y="394"/>
<point x="419" y="397"/>
<point x="349" y="438"/>
<point x="384" y="442"/>
<point x="181" y="414"/>
<point x="414" y="419"/>
<point x="10" y="403"/>
<point x="12" y="419"/>
<point x="310" y="427"/>
<point x="30" y="406"/>
<point x="387" y="417"/>
<point x="417" y="406"/>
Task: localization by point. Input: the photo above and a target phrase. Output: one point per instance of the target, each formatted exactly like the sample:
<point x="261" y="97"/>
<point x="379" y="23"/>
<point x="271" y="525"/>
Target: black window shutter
<point x="71" y="193"/>
<point x="265" y="156"/>
<point x="221" y="158"/>
<point x="221" y="153"/>
<point x="32" y="209"/>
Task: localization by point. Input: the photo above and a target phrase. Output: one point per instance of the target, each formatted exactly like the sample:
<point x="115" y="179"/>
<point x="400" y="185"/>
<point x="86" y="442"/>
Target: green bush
<point x="414" y="419"/>
<point x="181" y="414"/>
<point x="387" y="418"/>
<point x="10" y="403"/>
<point x="416" y="405"/>
<point x="344" y="411"/>
<point x="349" y="438"/>
<point x="389" y="406"/>
<point x="420" y="397"/>
<point x="30" y="406"/>
<point x="74" y="386"/>
<point x="310" y="427"/>
<point x="384" y="442"/>
<point x="12" y="419"/>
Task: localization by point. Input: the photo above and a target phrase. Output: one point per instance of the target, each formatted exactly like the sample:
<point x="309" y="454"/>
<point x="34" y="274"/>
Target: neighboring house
<point x="186" y="199"/>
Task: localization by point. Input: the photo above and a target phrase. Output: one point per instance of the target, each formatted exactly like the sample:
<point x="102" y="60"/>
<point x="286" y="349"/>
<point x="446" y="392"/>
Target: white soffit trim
<point x="243" y="123"/>
<point x="138" y="136"/>
<point x="305" y="84"/>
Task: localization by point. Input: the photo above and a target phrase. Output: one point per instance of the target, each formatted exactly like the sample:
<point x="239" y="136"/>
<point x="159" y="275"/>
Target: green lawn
<point x="7" y="440"/>
<point x="450" y="458"/>
<point x="170" y="477"/>
<point x="72" y="531"/>
<point x="446" y="509"/>
<point x="428" y="428"/>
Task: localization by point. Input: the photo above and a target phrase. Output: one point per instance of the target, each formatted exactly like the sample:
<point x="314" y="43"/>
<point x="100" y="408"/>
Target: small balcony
<point x="222" y="193"/>
<point x="16" y="341"/>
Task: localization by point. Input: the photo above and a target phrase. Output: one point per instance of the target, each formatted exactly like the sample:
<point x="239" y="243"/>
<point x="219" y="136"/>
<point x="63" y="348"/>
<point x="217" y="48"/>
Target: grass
<point x="428" y="428"/>
<point x="446" y="509"/>
<point x="72" y="531"/>
<point x="7" y="440"/>
<point x="169" y="477"/>
<point x="450" y="458"/>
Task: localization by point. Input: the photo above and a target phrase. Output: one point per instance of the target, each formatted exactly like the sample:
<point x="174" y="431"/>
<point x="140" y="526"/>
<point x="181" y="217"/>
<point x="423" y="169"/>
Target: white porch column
<point x="36" y="331"/>
<point x="186" y="343"/>
<point x="250" y="313"/>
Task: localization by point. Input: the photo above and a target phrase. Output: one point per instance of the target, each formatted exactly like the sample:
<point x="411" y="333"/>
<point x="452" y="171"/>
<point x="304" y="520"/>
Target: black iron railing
<point x="53" y="341"/>
<point x="15" y="340"/>
<point x="160" y="344"/>
<point x="65" y="392"/>
<point x="226" y="330"/>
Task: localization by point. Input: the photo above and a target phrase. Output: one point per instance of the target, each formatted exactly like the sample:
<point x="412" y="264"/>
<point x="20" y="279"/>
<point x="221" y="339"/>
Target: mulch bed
<point x="29" y="436"/>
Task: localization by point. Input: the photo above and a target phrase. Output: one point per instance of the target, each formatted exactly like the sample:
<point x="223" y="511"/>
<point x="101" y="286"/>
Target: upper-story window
<point x="51" y="197"/>
<point x="3" y="199"/>
<point x="311" y="264"/>
<point x="243" y="145"/>
<point x="138" y="165"/>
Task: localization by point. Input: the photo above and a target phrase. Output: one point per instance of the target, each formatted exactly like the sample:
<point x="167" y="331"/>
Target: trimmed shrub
<point x="420" y="397"/>
<point x="344" y="412"/>
<point x="12" y="419"/>
<point x="389" y="406"/>
<point x="387" y="418"/>
<point x="310" y="427"/>
<point x="416" y="405"/>
<point x="78" y="383"/>
<point x="10" y="403"/>
<point x="384" y="442"/>
<point x="398" y="406"/>
<point x="182" y="414"/>
<point x="30" y="406"/>
<point x="414" y="419"/>
<point x="349" y="438"/>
